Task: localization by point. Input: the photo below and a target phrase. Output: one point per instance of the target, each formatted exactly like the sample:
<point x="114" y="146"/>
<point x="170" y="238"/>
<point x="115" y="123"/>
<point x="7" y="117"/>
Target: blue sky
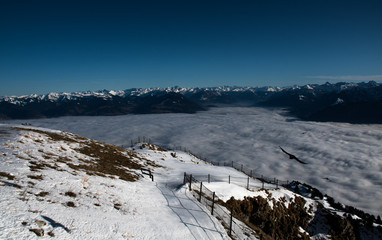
<point x="70" y="45"/>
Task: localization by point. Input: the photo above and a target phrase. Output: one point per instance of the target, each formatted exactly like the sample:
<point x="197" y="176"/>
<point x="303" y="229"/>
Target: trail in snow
<point x="197" y="219"/>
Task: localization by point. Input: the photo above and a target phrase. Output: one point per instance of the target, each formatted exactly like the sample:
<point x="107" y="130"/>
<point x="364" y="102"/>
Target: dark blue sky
<point x="91" y="45"/>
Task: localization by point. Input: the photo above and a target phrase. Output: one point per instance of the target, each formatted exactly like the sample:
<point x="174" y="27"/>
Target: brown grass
<point x="21" y="157"/>
<point x="117" y="206"/>
<point x="7" y="175"/>
<point x="70" y="204"/>
<point x="36" y="177"/>
<point x="71" y="194"/>
<point x="279" y="222"/>
<point x="39" y="232"/>
<point x="53" y="136"/>
<point x="153" y="147"/>
<point x="42" y="194"/>
<point x="109" y="160"/>
<point x="31" y="183"/>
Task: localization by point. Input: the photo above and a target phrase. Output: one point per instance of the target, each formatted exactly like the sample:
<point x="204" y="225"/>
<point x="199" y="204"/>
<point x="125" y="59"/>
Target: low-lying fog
<point x="343" y="160"/>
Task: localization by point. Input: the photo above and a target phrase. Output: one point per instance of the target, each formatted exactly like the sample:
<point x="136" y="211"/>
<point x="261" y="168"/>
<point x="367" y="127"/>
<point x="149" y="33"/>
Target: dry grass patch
<point x="107" y="160"/>
<point x="47" y="156"/>
<point x="52" y="135"/>
<point x="117" y="206"/>
<point x="71" y="194"/>
<point x="38" y="231"/>
<point x="277" y="222"/>
<point x="62" y="159"/>
<point x="22" y="157"/>
<point x="37" y="166"/>
<point x="70" y="204"/>
<point x="36" y="177"/>
<point x="31" y="183"/>
<point x="152" y="147"/>
<point x="42" y="194"/>
<point x="7" y="175"/>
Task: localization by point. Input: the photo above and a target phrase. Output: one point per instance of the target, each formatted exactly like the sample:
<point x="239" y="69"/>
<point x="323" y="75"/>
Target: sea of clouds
<point x="343" y="160"/>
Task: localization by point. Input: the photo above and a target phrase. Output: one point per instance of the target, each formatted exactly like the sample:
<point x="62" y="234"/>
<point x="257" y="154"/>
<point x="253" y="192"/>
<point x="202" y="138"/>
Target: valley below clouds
<point x="343" y="160"/>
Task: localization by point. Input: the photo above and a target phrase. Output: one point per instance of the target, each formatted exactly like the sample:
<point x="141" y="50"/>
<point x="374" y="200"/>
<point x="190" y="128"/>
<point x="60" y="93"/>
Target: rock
<point x="38" y="232"/>
<point x="40" y="223"/>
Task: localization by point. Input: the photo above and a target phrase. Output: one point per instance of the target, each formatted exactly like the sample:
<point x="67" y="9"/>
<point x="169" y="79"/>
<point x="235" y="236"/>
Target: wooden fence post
<point x="229" y="179"/>
<point x="209" y="178"/>
<point x="190" y="181"/>
<point x="213" y="203"/>
<point x="248" y="183"/>
<point x="184" y="178"/>
<point x="230" y="225"/>
<point x="232" y="163"/>
<point x="200" y="193"/>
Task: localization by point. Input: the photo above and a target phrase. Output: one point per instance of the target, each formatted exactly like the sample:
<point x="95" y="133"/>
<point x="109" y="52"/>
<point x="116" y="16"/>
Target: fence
<point x="250" y="183"/>
<point x="251" y="173"/>
<point x="235" y="228"/>
<point x="267" y="182"/>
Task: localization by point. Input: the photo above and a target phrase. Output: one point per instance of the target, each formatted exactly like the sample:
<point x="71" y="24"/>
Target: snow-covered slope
<point x="53" y="183"/>
<point x="58" y="184"/>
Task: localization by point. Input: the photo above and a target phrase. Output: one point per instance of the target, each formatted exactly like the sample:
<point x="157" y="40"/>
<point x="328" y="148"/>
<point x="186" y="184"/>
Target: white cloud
<point x="349" y="77"/>
<point x="343" y="159"/>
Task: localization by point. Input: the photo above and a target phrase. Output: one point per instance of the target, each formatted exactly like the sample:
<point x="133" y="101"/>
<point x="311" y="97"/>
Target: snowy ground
<point x="67" y="203"/>
<point x="344" y="160"/>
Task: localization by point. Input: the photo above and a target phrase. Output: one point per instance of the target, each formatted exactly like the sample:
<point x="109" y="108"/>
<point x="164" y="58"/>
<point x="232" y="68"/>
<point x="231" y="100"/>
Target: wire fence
<point x="235" y="228"/>
<point x="250" y="183"/>
<point x="251" y="173"/>
<point x="254" y="181"/>
<point x="267" y="182"/>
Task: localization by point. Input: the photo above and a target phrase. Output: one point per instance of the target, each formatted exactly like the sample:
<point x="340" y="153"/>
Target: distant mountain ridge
<point x="339" y="102"/>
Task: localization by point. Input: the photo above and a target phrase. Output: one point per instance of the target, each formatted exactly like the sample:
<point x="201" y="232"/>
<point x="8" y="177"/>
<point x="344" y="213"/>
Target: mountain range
<point x="339" y="102"/>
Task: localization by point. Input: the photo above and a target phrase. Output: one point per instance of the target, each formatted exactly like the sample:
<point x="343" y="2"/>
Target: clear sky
<point x="65" y="45"/>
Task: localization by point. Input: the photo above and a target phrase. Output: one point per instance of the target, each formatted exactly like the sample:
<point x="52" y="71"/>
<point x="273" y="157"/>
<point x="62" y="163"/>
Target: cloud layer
<point x="344" y="160"/>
